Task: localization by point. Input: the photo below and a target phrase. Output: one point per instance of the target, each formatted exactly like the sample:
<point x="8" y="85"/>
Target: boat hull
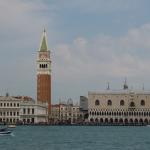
<point x="5" y="133"/>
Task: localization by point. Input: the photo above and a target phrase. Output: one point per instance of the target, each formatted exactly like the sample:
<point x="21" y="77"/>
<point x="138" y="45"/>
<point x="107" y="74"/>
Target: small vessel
<point x="12" y="126"/>
<point x="5" y="131"/>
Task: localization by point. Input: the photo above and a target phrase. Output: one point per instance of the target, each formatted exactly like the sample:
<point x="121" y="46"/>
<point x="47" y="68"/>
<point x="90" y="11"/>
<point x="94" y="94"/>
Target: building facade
<point x="15" y="110"/>
<point x="66" y="113"/>
<point x="83" y="103"/>
<point x="124" y="107"/>
<point x="32" y="112"/>
<point x="44" y="73"/>
<point x="9" y="110"/>
<point x="84" y="108"/>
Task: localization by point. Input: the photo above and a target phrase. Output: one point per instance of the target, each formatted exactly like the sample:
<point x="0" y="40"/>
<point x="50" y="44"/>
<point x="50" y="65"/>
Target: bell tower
<point x="44" y="73"/>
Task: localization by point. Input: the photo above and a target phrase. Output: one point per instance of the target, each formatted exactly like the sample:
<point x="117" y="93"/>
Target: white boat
<point x="5" y="131"/>
<point x="12" y="126"/>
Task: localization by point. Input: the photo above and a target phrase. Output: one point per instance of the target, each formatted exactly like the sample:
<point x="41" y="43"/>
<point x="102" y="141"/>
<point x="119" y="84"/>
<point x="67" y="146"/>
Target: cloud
<point x="21" y="23"/>
<point x="20" y="15"/>
<point x="88" y="59"/>
<point x="80" y="60"/>
<point x="98" y="6"/>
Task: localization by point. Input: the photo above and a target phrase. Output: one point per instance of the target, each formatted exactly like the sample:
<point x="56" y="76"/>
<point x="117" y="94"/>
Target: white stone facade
<point x="9" y="109"/>
<point x="124" y="106"/>
<point x="32" y="112"/>
<point x="16" y="110"/>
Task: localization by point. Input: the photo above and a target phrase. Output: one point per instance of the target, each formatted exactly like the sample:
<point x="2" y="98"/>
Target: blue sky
<point x="92" y="42"/>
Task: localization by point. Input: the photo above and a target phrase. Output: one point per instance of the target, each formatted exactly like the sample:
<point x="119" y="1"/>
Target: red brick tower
<point x="44" y="73"/>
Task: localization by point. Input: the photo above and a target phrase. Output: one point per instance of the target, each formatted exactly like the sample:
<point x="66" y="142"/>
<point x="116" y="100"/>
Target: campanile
<point x="44" y="73"/>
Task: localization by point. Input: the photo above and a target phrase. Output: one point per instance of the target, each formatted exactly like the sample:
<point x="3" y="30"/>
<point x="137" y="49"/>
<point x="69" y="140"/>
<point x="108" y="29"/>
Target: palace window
<point x="122" y="103"/>
<point x="132" y="104"/>
<point x="24" y="111"/>
<point x="97" y="102"/>
<point x="109" y="102"/>
<point x="142" y="102"/>
<point x="28" y="110"/>
<point x="32" y="110"/>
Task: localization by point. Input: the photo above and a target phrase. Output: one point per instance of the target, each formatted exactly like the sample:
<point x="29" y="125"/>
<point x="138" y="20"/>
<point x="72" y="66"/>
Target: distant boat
<point x="12" y="126"/>
<point x="5" y="131"/>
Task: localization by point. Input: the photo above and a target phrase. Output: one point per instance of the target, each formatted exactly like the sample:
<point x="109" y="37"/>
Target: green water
<point x="77" y="138"/>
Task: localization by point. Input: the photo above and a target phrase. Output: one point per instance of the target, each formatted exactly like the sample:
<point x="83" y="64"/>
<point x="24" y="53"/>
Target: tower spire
<point x="44" y="46"/>
<point x="143" y="87"/>
<point x="125" y="86"/>
<point x="44" y="30"/>
<point x="108" y="87"/>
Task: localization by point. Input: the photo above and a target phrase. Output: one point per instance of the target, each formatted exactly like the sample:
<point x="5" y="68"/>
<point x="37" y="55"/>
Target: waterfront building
<point x="33" y="112"/>
<point x="9" y="109"/>
<point x="55" y="113"/>
<point x="83" y="103"/>
<point x="19" y="109"/>
<point x="66" y="113"/>
<point x="44" y="73"/>
<point x="123" y="106"/>
<point x="84" y="107"/>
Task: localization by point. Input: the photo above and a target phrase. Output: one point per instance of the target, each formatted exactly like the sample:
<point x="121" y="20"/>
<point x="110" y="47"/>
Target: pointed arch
<point x="97" y="102"/>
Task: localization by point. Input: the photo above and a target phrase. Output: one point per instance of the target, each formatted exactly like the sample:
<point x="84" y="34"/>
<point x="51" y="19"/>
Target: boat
<point x="5" y="131"/>
<point x="12" y="126"/>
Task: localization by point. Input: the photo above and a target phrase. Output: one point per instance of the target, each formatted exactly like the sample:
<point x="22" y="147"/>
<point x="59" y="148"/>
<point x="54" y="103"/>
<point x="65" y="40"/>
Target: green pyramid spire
<point x="44" y="46"/>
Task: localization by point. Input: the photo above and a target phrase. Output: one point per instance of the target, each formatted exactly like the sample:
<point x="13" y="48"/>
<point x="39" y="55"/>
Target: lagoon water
<point x="77" y="138"/>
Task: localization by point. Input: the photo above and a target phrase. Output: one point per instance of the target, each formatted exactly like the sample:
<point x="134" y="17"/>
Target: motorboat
<point x="5" y="131"/>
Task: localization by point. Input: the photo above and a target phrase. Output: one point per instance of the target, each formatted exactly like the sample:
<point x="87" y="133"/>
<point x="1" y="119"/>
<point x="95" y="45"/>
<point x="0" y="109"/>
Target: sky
<point x="92" y="42"/>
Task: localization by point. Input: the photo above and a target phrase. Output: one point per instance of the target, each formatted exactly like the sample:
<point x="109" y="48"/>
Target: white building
<point x="122" y="106"/>
<point x="21" y="109"/>
<point x="9" y="109"/>
<point x="33" y="112"/>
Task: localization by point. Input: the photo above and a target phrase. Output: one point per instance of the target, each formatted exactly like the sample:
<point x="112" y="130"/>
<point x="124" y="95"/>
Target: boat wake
<point x="12" y="134"/>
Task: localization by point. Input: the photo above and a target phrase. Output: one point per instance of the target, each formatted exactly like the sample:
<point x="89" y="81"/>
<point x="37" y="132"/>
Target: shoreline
<point x="82" y="125"/>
